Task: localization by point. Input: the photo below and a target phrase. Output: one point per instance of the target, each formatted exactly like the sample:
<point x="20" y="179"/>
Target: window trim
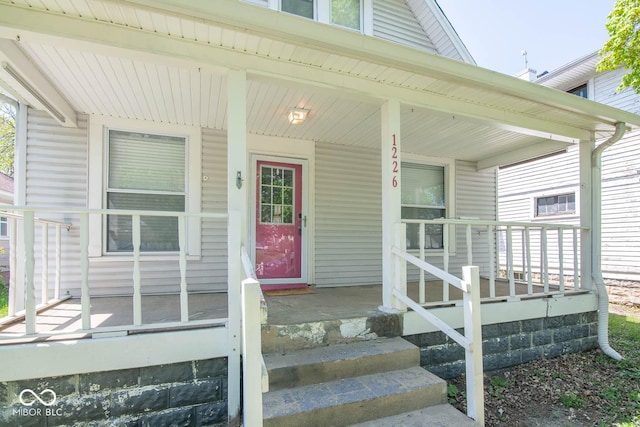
<point x="97" y="186"/>
<point x="4" y="220"/>
<point x="449" y="188"/>
<point x="322" y="13"/>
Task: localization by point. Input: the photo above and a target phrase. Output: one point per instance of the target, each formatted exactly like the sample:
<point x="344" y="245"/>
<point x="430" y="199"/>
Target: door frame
<point x="304" y="267"/>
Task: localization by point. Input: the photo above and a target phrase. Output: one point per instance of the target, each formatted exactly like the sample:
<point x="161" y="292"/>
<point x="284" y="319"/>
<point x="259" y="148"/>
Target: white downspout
<point x="596" y="241"/>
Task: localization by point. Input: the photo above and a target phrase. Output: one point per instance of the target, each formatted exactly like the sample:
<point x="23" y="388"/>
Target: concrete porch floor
<point x="325" y="304"/>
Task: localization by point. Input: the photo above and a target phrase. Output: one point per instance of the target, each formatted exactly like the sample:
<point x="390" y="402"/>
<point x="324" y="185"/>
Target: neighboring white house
<point x="158" y="139"/>
<point x="6" y="198"/>
<point x="549" y="189"/>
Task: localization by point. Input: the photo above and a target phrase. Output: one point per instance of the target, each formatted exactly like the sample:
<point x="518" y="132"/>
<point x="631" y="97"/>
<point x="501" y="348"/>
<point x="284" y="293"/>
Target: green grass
<point x="4" y="299"/>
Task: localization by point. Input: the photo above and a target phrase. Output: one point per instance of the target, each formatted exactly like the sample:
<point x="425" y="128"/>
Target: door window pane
<point x="276" y="195"/>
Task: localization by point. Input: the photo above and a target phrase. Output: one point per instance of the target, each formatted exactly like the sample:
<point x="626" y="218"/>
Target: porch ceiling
<point x="131" y="60"/>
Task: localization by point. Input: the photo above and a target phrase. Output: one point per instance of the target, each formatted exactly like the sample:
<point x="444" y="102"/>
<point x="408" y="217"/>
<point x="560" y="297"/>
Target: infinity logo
<point x="39" y="398"/>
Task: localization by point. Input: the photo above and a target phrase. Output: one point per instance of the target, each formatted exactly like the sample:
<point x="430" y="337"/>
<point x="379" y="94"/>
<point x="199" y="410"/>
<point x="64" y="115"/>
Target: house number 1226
<point x="394" y="156"/>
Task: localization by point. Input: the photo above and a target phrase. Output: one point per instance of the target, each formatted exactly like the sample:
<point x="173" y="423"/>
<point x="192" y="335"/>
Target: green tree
<point x="7" y="137"/>
<point x="623" y="46"/>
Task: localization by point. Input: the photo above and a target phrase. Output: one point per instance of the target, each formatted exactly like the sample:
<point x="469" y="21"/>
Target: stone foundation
<point x="185" y="394"/>
<point x="509" y="344"/>
<point x="625" y="292"/>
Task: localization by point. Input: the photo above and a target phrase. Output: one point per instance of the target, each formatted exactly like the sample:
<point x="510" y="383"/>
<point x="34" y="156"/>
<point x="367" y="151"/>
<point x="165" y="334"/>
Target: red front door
<point x="279" y="222"/>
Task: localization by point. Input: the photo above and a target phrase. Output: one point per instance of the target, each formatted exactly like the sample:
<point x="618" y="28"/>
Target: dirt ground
<point x="576" y="390"/>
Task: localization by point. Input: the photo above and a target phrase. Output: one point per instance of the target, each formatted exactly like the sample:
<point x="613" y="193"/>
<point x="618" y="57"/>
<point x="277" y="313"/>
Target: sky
<point x="552" y="32"/>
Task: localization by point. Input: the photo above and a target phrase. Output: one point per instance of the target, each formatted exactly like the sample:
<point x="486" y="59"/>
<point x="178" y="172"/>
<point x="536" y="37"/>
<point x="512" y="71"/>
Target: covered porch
<point x="220" y="79"/>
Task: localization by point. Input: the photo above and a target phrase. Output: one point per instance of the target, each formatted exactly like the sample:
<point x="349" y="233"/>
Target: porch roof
<point x="166" y="61"/>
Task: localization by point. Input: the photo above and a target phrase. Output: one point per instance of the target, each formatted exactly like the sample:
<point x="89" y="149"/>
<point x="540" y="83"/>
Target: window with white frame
<point x="144" y="172"/>
<point x="4" y="227"/>
<point x="561" y="204"/>
<point x="423" y="197"/>
<point x="344" y="13"/>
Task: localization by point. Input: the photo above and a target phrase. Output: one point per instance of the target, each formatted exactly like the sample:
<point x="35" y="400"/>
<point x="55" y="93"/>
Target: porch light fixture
<point x="297" y="115"/>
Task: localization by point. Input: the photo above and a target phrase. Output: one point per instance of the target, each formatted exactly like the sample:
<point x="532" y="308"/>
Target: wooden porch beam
<point x="526" y="153"/>
<point x="32" y="85"/>
<point x="84" y="34"/>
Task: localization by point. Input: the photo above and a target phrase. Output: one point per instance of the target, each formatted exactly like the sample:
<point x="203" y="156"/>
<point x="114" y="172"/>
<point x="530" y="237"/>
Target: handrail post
<point x="251" y="354"/>
<point x="473" y="355"/>
<point x="400" y="277"/>
<point x="29" y="262"/>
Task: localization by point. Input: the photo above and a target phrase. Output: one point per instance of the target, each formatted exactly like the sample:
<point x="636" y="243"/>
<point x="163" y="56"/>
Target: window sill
<point x="429" y="252"/>
<point x="143" y="258"/>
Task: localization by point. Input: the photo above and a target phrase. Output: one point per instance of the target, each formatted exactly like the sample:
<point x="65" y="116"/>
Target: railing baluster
<point x="445" y="260"/>
<point x="469" y="246"/>
<point x="29" y="262"/>
<point x="544" y="258"/>
<point x="421" y="242"/>
<point x="56" y="289"/>
<point x="45" y="263"/>
<point x="561" y="259"/>
<point x="184" y="296"/>
<point x="84" y="268"/>
<point x="523" y="249"/>
<point x="492" y="261"/>
<point x="576" y="265"/>
<point x="137" y="294"/>
<point x="13" y="266"/>
<point x="527" y="232"/>
<point x="512" y="283"/>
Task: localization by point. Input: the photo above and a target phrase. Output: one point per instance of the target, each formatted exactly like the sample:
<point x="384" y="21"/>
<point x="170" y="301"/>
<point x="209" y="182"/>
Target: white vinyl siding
<point x="393" y="20"/>
<point x="57" y="176"/>
<point x="348" y="230"/>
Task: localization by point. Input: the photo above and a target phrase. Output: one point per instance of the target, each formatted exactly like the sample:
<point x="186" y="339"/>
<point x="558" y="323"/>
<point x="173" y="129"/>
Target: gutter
<point x="596" y="241"/>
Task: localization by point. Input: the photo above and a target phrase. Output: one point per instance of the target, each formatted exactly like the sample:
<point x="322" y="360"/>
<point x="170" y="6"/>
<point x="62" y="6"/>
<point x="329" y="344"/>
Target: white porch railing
<point x="26" y="242"/>
<point x="471" y="341"/>
<point x="46" y="298"/>
<point x="531" y="253"/>
<point x="253" y="367"/>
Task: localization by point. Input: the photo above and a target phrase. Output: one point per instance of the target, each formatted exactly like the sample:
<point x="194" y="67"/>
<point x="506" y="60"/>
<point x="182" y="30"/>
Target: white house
<point x="163" y="145"/>
<point x="548" y="189"/>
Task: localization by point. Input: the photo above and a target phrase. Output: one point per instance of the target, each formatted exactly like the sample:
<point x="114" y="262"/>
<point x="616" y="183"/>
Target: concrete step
<point x="351" y="400"/>
<point x="330" y="363"/>
<point x="297" y="336"/>
<point x="433" y="416"/>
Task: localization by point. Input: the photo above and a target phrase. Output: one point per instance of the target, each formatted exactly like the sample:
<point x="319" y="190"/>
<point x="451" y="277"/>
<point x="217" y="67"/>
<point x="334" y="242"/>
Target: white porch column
<point x="20" y="199"/>
<point x="391" y="197"/>
<point x="586" y="215"/>
<point x="237" y="230"/>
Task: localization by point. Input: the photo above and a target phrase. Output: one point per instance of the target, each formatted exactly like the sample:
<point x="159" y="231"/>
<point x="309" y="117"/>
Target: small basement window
<point x="561" y="204"/>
